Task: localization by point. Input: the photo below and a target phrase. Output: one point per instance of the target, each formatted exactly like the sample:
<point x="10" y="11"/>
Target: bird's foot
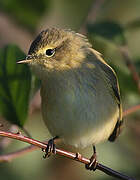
<point x="93" y="161"/>
<point x="51" y="148"/>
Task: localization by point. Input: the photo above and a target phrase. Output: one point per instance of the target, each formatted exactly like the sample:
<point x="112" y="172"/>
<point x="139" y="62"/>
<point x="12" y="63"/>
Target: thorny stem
<point x="61" y="152"/>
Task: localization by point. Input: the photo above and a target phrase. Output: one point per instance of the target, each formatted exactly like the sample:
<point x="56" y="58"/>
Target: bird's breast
<point x="77" y="110"/>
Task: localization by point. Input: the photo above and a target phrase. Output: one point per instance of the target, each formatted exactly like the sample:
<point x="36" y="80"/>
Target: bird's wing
<point x="113" y="81"/>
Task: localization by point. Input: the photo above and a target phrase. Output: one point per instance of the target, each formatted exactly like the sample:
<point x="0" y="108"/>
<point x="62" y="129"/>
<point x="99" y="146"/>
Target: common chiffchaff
<point x="80" y="92"/>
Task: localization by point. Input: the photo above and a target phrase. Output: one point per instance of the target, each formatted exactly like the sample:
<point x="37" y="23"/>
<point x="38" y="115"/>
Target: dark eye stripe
<point x="50" y="52"/>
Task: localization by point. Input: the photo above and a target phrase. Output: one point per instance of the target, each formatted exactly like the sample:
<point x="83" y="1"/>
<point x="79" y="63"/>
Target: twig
<point x="131" y="110"/>
<point x="4" y="142"/>
<point x="92" y="15"/>
<point x="75" y="156"/>
<point x="21" y="36"/>
<point x="129" y="63"/>
<point x="11" y="156"/>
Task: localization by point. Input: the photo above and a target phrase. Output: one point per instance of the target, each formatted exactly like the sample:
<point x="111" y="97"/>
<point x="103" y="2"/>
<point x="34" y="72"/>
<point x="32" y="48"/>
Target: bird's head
<point x="57" y="49"/>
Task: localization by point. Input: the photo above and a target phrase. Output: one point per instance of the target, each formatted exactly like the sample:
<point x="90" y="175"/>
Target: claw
<point x="93" y="161"/>
<point x="51" y="148"/>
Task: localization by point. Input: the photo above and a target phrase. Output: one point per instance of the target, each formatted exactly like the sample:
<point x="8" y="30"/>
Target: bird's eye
<point x="50" y="52"/>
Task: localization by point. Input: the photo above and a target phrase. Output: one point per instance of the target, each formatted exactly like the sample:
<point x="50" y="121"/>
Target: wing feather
<point x="113" y="81"/>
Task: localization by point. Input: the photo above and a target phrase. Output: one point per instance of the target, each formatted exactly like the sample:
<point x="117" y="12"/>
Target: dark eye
<point x="50" y="52"/>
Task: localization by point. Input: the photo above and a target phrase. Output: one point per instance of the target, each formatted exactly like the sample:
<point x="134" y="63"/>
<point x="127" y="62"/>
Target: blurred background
<point x="113" y="28"/>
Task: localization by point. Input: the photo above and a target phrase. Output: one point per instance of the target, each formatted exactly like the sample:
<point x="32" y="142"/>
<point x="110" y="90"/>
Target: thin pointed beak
<point x="24" y="61"/>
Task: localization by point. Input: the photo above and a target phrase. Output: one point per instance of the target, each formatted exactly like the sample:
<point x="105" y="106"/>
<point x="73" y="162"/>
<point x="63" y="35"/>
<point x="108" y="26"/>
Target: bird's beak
<point x="24" y="61"/>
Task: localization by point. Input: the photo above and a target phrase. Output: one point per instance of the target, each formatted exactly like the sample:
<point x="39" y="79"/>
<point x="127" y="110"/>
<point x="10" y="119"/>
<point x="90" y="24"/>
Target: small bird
<point x="80" y="94"/>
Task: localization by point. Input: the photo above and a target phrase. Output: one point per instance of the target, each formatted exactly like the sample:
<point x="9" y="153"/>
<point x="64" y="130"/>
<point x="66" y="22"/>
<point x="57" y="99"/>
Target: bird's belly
<point x="78" y="118"/>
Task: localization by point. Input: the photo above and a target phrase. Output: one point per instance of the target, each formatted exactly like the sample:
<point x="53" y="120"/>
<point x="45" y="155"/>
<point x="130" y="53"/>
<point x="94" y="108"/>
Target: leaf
<point x="26" y="12"/>
<point x="127" y="84"/>
<point x="111" y="31"/>
<point x="15" y="85"/>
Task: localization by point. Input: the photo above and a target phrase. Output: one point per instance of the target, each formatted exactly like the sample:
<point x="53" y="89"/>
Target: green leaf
<point x="127" y="84"/>
<point x="26" y="12"/>
<point x="111" y="31"/>
<point x="15" y="85"/>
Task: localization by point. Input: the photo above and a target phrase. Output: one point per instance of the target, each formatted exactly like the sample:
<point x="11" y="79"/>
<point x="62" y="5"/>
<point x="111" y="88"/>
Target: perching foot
<point x="93" y="161"/>
<point x="51" y="148"/>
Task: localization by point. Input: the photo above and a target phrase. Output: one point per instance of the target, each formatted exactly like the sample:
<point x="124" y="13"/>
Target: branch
<point x="75" y="156"/>
<point x="10" y="156"/>
<point x="21" y="36"/>
<point x="19" y="153"/>
<point x="92" y="15"/>
<point x="131" y="110"/>
<point x="129" y="63"/>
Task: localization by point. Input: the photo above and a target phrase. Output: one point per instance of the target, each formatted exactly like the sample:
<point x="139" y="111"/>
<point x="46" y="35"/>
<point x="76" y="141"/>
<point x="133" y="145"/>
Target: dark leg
<point x="93" y="161"/>
<point x="51" y="148"/>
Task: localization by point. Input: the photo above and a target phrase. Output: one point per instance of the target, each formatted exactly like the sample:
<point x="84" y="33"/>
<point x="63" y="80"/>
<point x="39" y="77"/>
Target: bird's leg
<point x="93" y="161"/>
<point x="51" y="148"/>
